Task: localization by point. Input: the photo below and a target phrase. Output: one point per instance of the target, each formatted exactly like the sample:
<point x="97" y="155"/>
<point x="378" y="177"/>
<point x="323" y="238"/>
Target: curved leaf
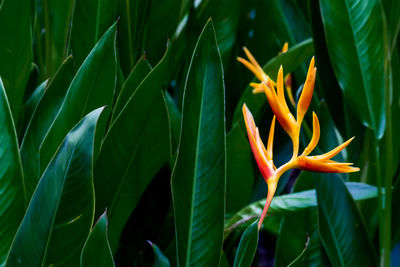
<point x="12" y="195"/>
<point x="286" y="204"/>
<point x="289" y="60"/>
<point x="160" y="260"/>
<point x="60" y="214"/>
<point x="91" y="20"/>
<point x="354" y="34"/>
<point x="342" y="231"/>
<point x="247" y="246"/>
<point x="96" y="251"/>
<point x="15" y="50"/>
<point x="135" y="147"/>
<point x="42" y="118"/>
<point x="198" y="178"/>
<point x="92" y="87"/>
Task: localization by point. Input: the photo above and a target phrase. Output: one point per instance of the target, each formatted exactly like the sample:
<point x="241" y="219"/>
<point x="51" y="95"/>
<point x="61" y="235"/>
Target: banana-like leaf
<point x="160" y="260"/>
<point x="60" y="214"/>
<point x="341" y="228"/>
<point x="13" y="196"/>
<point x="97" y="251"/>
<point x="247" y="246"/>
<point x="92" y="87"/>
<point x="91" y="20"/>
<point x="198" y="178"/>
<point x="290" y="60"/>
<point x="42" y="118"/>
<point x="357" y="56"/>
<point x="286" y="204"/>
<point x="135" y="147"/>
<point x="15" y="50"/>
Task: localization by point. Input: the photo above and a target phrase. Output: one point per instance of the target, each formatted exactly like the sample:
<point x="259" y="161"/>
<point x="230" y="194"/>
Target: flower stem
<point x="272" y="183"/>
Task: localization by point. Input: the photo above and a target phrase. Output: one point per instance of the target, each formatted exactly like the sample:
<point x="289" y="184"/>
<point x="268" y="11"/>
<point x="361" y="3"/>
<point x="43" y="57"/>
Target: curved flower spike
<point x="264" y="156"/>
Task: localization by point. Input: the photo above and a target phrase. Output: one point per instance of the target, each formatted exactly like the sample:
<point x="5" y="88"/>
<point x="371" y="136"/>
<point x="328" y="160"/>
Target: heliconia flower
<point x="264" y="156"/>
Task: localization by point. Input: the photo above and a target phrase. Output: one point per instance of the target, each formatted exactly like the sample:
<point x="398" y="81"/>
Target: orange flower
<point x="264" y="156"/>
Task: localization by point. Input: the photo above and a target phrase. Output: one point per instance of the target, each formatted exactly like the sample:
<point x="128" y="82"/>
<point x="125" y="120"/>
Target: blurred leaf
<point x="355" y="46"/>
<point x="175" y="121"/>
<point x="133" y="150"/>
<point x="135" y="78"/>
<point x="159" y="258"/>
<point x="92" y="87"/>
<point x="198" y="179"/>
<point x="290" y="61"/>
<point x="247" y="246"/>
<point x="60" y="213"/>
<point x="96" y="251"/>
<point x="41" y="121"/>
<point x="240" y="173"/>
<point x="15" y="50"/>
<point x="91" y="20"/>
<point x="12" y="196"/>
<point x="287" y="204"/>
<point x="392" y="10"/>
<point x="301" y="257"/>
<point x="342" y="231"/>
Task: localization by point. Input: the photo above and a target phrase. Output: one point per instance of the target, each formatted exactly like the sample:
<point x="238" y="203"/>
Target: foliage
<point x="123" y="141"/>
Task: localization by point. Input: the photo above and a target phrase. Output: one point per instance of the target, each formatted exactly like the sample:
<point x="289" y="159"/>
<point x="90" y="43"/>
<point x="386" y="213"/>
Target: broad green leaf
<point x="240" y="172"/>
<point x="92" y="87"/>
<point x="15" y="50"/>
<point x="135" y="147"/>
<point x="60" y="214"/>
<point x="96" y="251"/>
<point x="287" y="204"/>
<point x="53" y="23"/>
<point x="137" y="75"/>
<point x="342" y="231"/>
<point x="392" y="10"/>
<point x="12" y="196"/>
<point x="41" y="121"/>
<point x="290" y="61"/>
<point x="355" y="46"/>
<point x="198" y="178"/>
<point x="247" y="246"/>
<point x="160" y="260"/>
<point x="91" y="20"/>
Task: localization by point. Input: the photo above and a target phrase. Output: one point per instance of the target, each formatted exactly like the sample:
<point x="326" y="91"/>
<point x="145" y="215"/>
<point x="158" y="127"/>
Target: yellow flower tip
<point x="306" y="94"/>
<point x="271" y="139"/>
<point x="285" y="47"/>
<point x="334" y="151"/>
<point x="315" y="137"/>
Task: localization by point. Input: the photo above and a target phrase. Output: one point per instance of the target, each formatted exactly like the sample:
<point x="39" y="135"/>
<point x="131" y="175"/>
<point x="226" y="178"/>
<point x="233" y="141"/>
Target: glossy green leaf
<point x="137" y="75"/>
<point x="97" y="251"/>
<point x="41" y="121"/>
<point x="357" y="56"/>
<point x="60" y="214"/>
<point x="15" y="50"/>
<point x="134" y="149"/>
<point x="12" y="196"/>
<point x="160" y="260"/>
<point x="289" y="60"/>
<point x="198" y="179"/>
<point x="92" y="87"/>
<point x="91" y="20"/>
<point x="247" y="246"/>
<point x="342" y="231"/>
<point x="286" y="204"/>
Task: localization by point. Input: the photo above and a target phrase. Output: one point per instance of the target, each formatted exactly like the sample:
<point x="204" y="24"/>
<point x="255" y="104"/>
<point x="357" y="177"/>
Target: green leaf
<point x="355" y="46"/>
<point x="286" y="204"/>
<point x="198" y="178"/>
<point x="175" y="121"/>
<point x="160" y="260"/>
<point x="300" y="258"/>
<point x="41" y="121"/>
<point x="392" y="10"/>
<point x="96" y="251"/>
<point x="342" y="231"/>
<point x="92" y="87"/>
<point x="247" y="246"/>
<point x="91" y="20"/>
<point x="290" y="61"/>
<point x="60" y="214"/>
<point x="12" y="195"/>
<point x="15" y="50"/>
<point x="133" y="150"/>
<point x="135" y="78"/>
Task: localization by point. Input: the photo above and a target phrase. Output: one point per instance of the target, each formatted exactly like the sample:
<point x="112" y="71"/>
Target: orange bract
<point x="276" y="99"/>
